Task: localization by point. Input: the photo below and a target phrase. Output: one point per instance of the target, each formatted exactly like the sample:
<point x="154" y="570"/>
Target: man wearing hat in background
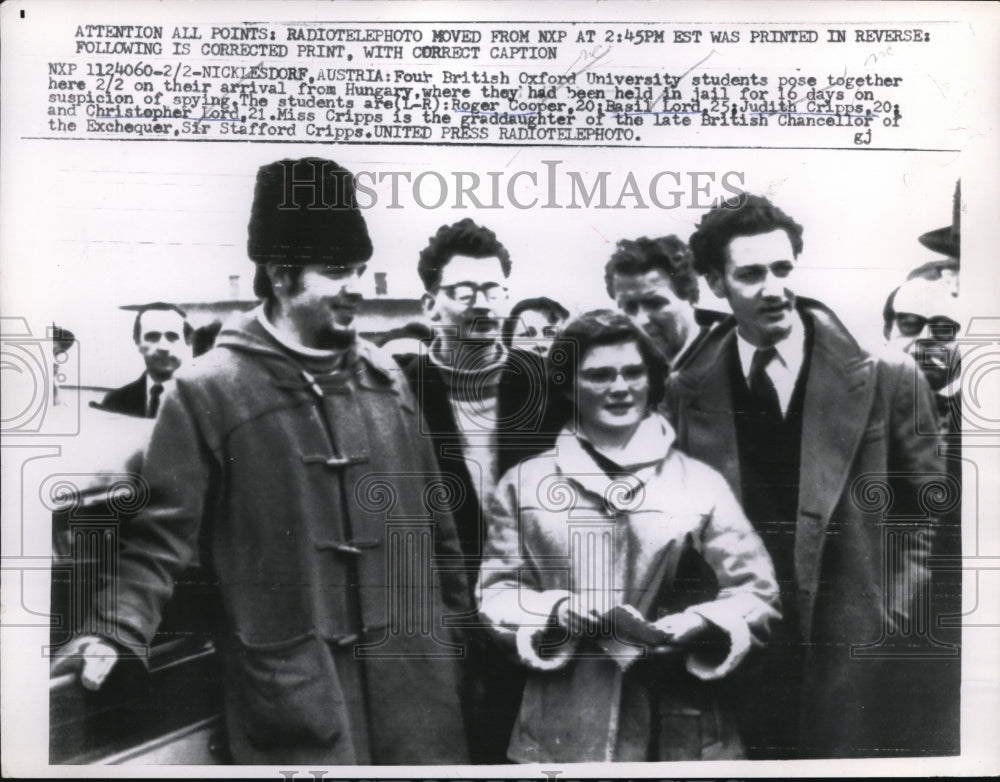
<point x="290" y="458"/>
<point x="946" y="241"/>
<point x="921" y="317"/>
<point x="163" y="336"/>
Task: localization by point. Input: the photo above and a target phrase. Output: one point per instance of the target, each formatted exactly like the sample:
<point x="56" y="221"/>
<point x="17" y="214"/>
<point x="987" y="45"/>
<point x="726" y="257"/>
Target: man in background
<point x="922" y="318"/>
<point x="946" y="241"/>
<point x="653" y="282"/>
<point x="464" y="270"/>
<point x="163" y="336"/>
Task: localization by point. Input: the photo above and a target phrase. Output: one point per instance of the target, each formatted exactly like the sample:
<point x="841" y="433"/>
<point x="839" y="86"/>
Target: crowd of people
<point x="516" y="534"/>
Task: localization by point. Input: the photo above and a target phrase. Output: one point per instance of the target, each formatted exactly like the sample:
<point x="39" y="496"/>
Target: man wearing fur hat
<point x="290" y="459"/>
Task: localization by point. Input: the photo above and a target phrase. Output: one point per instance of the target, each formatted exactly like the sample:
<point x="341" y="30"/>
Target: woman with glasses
<point x="621" y="573"/>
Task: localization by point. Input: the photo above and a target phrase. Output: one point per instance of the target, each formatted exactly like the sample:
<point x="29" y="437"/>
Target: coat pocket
<point x="702" y="732"/>
<point x="291" y="693"/>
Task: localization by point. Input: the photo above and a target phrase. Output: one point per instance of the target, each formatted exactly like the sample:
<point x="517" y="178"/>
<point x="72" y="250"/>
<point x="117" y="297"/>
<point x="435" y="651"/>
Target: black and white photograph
<point x="499" y="390"/>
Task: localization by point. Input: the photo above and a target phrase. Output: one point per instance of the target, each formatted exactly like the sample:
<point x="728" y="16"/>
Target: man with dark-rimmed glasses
<point x="921" y="319"/>
<point x="460" y="381"/>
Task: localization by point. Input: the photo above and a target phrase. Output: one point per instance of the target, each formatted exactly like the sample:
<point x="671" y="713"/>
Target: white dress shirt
<point x="784" y="368"/>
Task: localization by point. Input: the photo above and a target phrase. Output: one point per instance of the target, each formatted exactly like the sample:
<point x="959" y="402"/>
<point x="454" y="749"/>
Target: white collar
<point x="649" y="447"/>
<point x="791" y="350"/>
<point x="480" y="369"/>
<point x="150" y="383"/>
<point x="954" y="388"/>
<point x="650" y="443"/>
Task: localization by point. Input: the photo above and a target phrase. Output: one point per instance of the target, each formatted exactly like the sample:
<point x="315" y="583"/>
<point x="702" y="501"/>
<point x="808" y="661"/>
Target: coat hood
<point x="244" y="333"/>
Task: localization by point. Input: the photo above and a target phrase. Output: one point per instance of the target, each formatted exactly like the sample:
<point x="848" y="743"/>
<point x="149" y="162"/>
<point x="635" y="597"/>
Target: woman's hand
<point x="683" y="629"/>
<point x="572" y="620"/>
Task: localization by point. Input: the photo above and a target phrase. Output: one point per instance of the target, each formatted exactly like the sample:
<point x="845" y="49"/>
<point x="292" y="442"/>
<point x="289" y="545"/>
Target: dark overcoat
<point x="317" y="505"/>
<point x="867" y="486"/>
<point x="130" y="399"/>
<point x="526" y="425"/>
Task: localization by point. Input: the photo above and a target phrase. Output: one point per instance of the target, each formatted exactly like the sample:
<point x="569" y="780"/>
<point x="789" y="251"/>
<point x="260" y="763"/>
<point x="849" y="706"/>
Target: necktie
<point x="154" y="399"/>
<point x="761" y="385"/>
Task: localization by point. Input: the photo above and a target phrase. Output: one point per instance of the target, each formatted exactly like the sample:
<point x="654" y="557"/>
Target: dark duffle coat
<point x="319" y="506"/>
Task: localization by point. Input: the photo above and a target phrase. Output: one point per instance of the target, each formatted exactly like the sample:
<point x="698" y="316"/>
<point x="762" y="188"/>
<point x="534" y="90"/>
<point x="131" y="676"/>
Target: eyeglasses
<point x="602" y="377"/>
<point x="757" y="272"/>
<point x="466" y="292"/>
<point x="942" y="329"/>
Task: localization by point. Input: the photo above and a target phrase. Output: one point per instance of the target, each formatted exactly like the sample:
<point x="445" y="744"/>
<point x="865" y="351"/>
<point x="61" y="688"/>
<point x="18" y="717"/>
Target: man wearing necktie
<point x="804" y="424"/>
<point x="163" y="337"/>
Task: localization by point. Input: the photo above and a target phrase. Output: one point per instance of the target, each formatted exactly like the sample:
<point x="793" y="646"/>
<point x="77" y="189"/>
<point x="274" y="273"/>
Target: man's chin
<point x="163" y="370"/>
<point x="778" y="331"/>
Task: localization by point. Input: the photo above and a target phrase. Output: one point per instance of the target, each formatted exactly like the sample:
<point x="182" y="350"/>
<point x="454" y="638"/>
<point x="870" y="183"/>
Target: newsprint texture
<point x="484" y="390"/>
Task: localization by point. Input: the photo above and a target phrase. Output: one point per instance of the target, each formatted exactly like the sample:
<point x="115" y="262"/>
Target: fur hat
<point x="305" y="211"/>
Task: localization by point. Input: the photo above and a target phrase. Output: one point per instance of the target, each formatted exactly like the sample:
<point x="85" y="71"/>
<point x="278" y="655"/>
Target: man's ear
<point x="277" y="273"/>
<point x="716" y="283"/>
<point x="428" y="302"/>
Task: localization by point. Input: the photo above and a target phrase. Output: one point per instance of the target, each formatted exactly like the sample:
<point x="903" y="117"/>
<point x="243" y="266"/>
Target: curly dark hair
<point x="667" y="254"/>
<point x="461" y="238"/>
<point x="742" y="215"/>
<point x="591" y="329"/>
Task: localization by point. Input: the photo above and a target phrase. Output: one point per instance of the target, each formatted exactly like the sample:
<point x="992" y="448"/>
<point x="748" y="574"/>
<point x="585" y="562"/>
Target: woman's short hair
<point x="593" y="329"/>
<point x="553" y="310"/>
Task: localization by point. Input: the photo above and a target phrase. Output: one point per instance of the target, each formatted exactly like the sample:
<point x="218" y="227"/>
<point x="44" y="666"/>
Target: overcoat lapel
<point x="709" y="422"/>
<point x="839" y="394"/>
